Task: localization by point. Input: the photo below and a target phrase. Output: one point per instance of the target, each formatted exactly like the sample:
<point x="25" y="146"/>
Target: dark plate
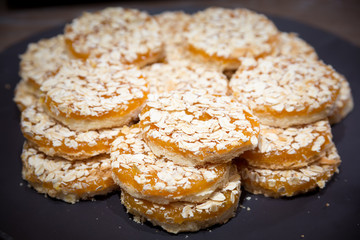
<point x="25" y="214"/>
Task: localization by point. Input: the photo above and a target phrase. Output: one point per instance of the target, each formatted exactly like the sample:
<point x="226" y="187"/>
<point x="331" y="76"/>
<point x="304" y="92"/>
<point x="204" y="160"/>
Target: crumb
<point x="302" y="236"/>
<point x="327" y="204"/>
<point x="248" y="198"/>
<point x="248" y="209"/>
<point x="210" y="230"/>
<point x="7" y="86"/>
<point x="186" y="236"/>
<point x="119" y="227"/>
<point x="21" y="184"/>
<point x="256" y="199"/>
<point x="319" y="196"/>
<point x="242" y="206"/>
<point x="97" y="219"/>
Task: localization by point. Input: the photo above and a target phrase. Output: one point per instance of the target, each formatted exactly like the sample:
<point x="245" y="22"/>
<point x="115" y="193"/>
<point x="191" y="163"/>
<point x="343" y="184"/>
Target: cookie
<point x="225" y="36"/>
<point x="64" y="180"/>
<point x="164" y="78"/>
<point x="85" y="97"/>
<point x="57" y="140"/>
<point x="286" y="91"/>
<point x="126" y="36"/>
<point x="288" y="183"/>
<point x="195" y="128"/>
<point x="289" y="148"/>
<point x="24" y="95"/>
<point x="344" y="104"/>
<point x="290" y="44"/>
<point x="188" y="217"/>
<point x="156" y="179"/>
<point x="42" y="60"/>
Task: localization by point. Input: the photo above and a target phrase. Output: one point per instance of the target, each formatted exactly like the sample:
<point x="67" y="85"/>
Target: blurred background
<point x="20" y="19"/>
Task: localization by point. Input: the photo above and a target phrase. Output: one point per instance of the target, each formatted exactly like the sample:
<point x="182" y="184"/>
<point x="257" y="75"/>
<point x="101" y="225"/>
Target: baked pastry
<point x="188" y="217"/>
<point x="182" y="76"/>
<point x="86" y="97"/>
<point x="126" y="36"/>
<point x="156" y="179"/>
<point x="288" y="183"/>
<point x="42" y="60"/>
<point x="344" y="103"/>
<point x="286" y="91"/>
<point x="24" y="95"/>
<point x="225" y="36"/>
<point x="64" y="180"/>
<point x="290" y="44"/>
<point x="290" y="148"/>
<point x="195" y="128"/>
<point x="55" y="139"/>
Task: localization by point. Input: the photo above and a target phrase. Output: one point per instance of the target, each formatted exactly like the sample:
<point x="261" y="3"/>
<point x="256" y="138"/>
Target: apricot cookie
<point x="68" y="181"/>
<point x="290" y="148"/>
<point x="286" y="91"/>
<point x="84" y="97"/>
<point x="226" y="35"/>
<point x="281" y="183"/>
<point x="290" y="44"/>
<point x="180" y="76"/>
<point x="194" y="128"/>
<point x="184" y="216"/>
<point x="344" y="104"/>
<point x="24" y="95"/>
<point x="156" y="179"/>
<point x="55" y="139"/>
<point x="128" y="36"/>
<point x="42" y="60"/>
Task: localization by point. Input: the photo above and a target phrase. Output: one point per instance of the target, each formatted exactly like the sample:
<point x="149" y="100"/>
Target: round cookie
<point x="64" y="180"/>
<point x="344" y="104"/>
<point x="194" y="128"/>
<point x="42" y="60"/>
<point x="180" y="76"/>
<point x="225" y="36"/>
<point x="290" y="148"/>
<point x="55" y="139"/>
<point x="156" y="179"/>
<point x="24" y="95"/>
<point x="127" y="36"/>
<point x="289" y="44"/>
<point x="286" y="91"/>
<point x="84" y="97"/>
<point x="287" y="183"/>
<point x="188" y="217"/>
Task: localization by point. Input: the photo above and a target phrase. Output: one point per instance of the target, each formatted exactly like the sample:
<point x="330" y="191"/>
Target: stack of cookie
<point x="292" y="97"/>
<point x="74" y="100"/>
<point x="180" y="166"/>
<point x="175" y="168"/>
